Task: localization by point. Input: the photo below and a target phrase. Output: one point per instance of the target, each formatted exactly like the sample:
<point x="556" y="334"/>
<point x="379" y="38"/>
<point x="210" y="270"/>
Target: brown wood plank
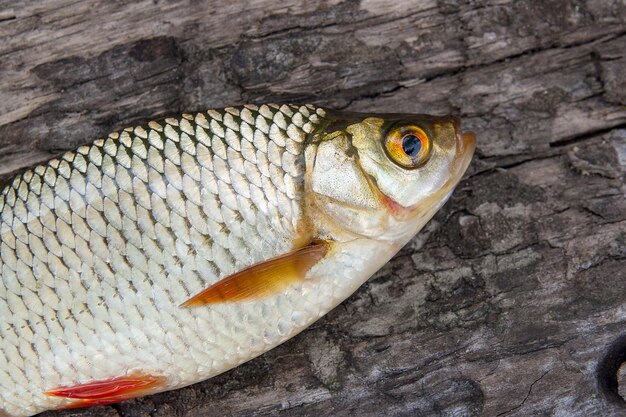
<point x="511" y="302"/>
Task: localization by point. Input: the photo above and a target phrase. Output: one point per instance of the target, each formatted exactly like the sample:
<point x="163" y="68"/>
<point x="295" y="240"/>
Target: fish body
<point x="169" y="253"/>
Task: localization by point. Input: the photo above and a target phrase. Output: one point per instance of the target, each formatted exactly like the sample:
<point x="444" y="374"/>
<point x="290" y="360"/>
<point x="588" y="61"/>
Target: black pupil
<point x="411" y="145"/>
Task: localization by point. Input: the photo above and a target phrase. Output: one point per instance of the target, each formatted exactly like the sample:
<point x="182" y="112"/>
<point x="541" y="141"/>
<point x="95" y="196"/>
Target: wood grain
<point x="510" y="303"/>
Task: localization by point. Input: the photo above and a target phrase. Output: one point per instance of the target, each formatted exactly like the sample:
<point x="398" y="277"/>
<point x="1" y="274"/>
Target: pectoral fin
<point x="264" y="278"/>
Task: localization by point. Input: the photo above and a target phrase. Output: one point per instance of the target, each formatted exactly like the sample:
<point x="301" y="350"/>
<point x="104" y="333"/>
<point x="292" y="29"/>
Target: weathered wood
<point x="511" y="302"/>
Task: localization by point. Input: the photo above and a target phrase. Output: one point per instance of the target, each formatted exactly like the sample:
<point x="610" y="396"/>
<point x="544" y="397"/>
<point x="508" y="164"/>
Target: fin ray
<point x="108" y="391"/>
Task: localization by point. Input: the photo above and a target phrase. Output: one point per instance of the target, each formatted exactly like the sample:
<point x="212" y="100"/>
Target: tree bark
<point x="511" y="302"/>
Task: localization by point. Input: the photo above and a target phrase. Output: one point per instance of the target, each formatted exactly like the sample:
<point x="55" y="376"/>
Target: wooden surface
<point x="510" y="303"/>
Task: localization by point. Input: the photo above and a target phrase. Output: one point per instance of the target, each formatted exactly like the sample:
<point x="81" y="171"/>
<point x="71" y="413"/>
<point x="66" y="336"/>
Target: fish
<point x="170" y="252"/>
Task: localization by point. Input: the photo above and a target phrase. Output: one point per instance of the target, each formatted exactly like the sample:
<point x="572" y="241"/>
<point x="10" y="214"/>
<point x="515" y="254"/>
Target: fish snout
<point x="466" y="141"/>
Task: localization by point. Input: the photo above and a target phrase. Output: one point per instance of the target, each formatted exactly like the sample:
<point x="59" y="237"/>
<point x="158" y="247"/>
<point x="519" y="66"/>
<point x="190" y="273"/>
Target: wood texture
<point x="512" y="301"/>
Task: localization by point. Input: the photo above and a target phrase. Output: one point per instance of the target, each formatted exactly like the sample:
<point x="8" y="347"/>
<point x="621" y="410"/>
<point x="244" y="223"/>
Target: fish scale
<point x="100" y="247"/>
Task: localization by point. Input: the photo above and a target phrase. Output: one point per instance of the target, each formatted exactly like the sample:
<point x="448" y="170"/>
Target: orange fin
<point x="109" y="391"/>
<point x="264" y="278"/>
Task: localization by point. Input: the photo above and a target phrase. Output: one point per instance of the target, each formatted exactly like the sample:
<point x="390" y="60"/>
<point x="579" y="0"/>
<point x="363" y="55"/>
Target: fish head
<point x="384" y="176"/>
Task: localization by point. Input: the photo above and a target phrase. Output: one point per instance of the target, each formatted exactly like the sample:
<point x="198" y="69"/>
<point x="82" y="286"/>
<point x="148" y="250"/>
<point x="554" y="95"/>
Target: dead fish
<point x="169" y="253"/>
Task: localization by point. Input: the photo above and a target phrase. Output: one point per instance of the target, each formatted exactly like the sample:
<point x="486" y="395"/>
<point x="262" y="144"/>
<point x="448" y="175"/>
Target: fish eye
<point x="408" y="146"/>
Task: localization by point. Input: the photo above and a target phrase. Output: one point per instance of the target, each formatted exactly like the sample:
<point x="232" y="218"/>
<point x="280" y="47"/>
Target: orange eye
<point x="408" y="146"/>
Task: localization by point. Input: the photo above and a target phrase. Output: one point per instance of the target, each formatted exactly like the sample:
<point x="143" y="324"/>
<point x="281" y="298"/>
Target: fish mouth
<point x="465" y="143"/>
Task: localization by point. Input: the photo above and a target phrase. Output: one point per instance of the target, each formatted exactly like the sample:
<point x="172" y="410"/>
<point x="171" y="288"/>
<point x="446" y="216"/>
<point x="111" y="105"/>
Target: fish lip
<point x="465" y="147"/>
<point x="466" y="142"/>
